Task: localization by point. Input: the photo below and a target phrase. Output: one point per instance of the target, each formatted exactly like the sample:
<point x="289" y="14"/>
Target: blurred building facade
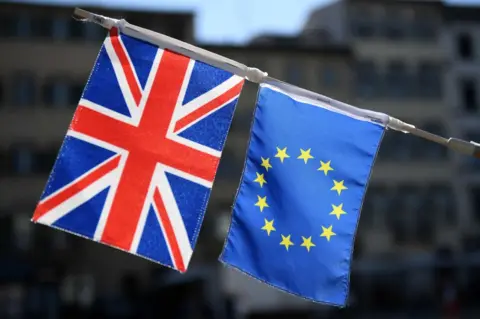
<point x="399" y="65"/>
<point x="409" y="63"/>
<point x="462" y="94"/>
<point x="417" y="61"/>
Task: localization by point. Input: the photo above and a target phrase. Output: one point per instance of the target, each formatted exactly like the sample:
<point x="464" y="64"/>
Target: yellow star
<point x="305" y="155"/>
<point x="307" y="243"/>
<point x="260" y="179"/>
<point x="286" y="241"/>
<point x="268" y="227"/>
<point x="266" y="163"/>
<point x="282" y="154"/>
<point x="338" y="186"/>
<point x="325" y="167"/>
<point x="338" y="211"/>
<point x="327" y="232"/>
<point x="262" y="203"/>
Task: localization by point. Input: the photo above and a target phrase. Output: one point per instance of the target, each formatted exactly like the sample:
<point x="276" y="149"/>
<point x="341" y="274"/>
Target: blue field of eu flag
<point x="298" y="206"/>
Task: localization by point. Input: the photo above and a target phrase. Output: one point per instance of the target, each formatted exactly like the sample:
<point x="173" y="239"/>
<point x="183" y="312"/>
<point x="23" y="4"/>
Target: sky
<point x="229" y="21"/>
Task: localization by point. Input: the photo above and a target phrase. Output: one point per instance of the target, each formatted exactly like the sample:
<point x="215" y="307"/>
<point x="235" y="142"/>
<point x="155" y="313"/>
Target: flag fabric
<point x="137" y="164"/>
<point x="297" y="209"/>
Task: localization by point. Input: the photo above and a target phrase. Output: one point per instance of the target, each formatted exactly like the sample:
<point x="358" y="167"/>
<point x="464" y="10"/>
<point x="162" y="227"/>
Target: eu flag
<point x="298" y="205"/>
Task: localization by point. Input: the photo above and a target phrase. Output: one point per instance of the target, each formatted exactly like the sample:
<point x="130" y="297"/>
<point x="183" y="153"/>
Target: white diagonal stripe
<point x="96" y="141"/>
<point x="181" y="95"/>
<point x="122" y="79"/>
<point x="120" y="40"/>
<point x="105" y="111"/>
<point x="78" y="199"/>
<point x="102" y="221"/>
<point x="194" y="145"/>
<point x="205" y="115"/>
<point x="79" y="136"/>
<point x="203" y="99"/>
<point x="174" y="216"/>
<point x="169" y="248"/>
<point x="148" y="85"/>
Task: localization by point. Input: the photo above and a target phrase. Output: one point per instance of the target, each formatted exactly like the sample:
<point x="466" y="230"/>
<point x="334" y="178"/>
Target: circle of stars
<point x="262" y="204"/>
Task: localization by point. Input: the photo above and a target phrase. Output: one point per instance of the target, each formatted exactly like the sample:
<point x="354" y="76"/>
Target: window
<point x="425" y="25"/>
<point x="367" y="79"/>
<point x="22" y="230"/>
<point x="61" y="92"/>
<point x="60" y="28"/>
<point x="76" y="91"/>
<point x="429" y="80"/>
<point x="376" y="203"/>
<point x="389" y="147"/>
<point x="23" y="89"/>
<point x="465" y="46"/>
<point x="440" y="201"/>
<point x="400" y="232"/>
<point x="425" y="227"/>
<point x="76" y="30"/>
<point x="394" y="27"/>
<point x="363" y="29"/>
<point x="295" y="74"/>
<point x="468" y="95"/>
<point x="403" y="147"/>
<point x="475" y="198"/>
<point x="435" y="208"/>
<point x="42" y="27"/>
<point x="395" y="210"/>
<point x="55" y="93"/>
<point x="397" y="81"/>
<point x="403" y="209"/>
<point x="8" y="25"/>
<point x="22" y="159"/>
<point x="24" y="27"/>
<point x="411" y="198"/>
<point x="45" y="159"/>
<point x="327" y="74"/>
<point x="362" y="22"/>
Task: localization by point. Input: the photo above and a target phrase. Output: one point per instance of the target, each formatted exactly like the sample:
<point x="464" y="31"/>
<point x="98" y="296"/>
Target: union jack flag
<point x="137" y="165"/>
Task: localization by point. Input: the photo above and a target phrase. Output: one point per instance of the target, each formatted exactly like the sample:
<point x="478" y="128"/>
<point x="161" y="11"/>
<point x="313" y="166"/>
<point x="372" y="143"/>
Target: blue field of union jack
<point x="137" y="165"/>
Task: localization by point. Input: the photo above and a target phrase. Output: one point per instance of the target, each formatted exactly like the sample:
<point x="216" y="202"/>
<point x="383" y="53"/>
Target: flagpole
<point x="468" y="148"/>
<point x="255" y="75"/>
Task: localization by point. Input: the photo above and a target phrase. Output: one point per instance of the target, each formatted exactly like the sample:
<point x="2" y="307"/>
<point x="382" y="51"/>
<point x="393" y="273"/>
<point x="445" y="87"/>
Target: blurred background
<point x="417" y="251"/>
